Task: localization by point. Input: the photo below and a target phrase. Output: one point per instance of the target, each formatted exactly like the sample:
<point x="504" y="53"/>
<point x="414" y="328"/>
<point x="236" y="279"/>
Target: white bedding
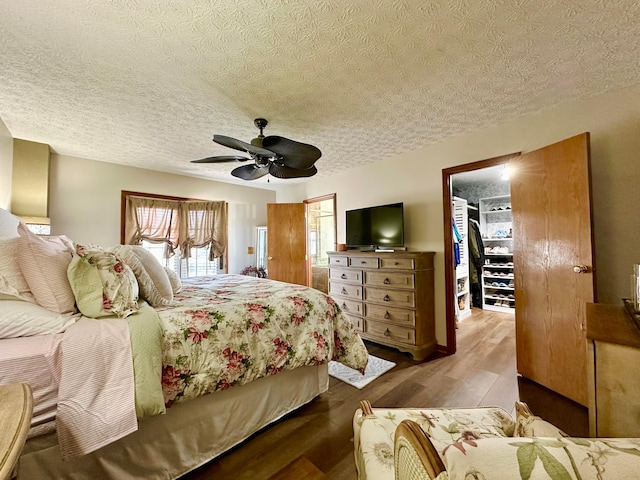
<point x="34" y="360"/>
<point x="82" y="381"/>
<point x="96" y="399"/>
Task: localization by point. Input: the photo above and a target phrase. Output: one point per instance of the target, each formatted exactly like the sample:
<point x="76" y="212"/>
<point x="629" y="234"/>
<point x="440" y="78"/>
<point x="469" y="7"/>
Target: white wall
<point x="85" y="202"/>
<point x="613" y="119"/>
<point x="6" y="166"/>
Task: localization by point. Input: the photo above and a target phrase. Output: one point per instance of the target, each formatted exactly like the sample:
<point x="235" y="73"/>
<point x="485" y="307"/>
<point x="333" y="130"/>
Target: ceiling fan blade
<point x="282" y="171"/>
<point x="294" y="154"/>
<point x="243" y="146"/>
<point x="221" y="159"/>
<point x="250" y="172"/>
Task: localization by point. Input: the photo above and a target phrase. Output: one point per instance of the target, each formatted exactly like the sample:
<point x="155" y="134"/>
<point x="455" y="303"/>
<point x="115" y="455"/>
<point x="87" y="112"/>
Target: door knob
<point x="580" y="269"/>
<point x="269" y="258"/>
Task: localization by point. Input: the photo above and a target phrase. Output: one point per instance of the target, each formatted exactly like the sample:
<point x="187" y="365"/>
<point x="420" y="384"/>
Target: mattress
<point x="33" y="360"/>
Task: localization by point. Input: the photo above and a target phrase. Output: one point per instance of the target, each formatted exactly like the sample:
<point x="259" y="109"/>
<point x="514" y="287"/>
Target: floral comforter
<point x="231" y="329"/>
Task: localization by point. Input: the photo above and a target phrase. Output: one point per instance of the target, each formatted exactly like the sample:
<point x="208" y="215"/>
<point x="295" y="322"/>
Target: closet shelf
<point x="497" y="277"/>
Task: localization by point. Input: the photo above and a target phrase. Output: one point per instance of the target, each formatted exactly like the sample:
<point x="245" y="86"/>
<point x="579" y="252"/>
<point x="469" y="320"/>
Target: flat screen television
<point x="378" y="227"/>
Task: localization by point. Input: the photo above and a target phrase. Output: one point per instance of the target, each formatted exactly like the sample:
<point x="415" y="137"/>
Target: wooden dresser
<point x="388" y="296"/>
<point x="613" y="346"/>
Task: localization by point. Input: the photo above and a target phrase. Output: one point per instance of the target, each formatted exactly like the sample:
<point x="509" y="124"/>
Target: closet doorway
<point x="479" y="265"/>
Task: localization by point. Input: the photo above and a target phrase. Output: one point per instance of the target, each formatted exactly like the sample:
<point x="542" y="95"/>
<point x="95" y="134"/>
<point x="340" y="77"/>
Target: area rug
<point x="375" y="367"/>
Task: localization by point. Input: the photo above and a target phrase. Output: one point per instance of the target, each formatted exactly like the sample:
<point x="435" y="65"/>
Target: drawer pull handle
<point x="344" y="291"/>
<point x="344" y="306"/>
<point x="387" y="333"/>
<point x="343" y="276"/>
<point x="363" y="262"/>
<point x="386" y="298"/>
<point x="387" y="316"/>
<point x="396" y="263"/>
<point x="386" y="281"/>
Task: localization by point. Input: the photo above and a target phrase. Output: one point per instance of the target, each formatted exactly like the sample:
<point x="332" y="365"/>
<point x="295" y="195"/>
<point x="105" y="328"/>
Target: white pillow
<point x="13" y="282"/>
<point x="154" y="284"/>
<point x="156" y="272"/>
<point x="174" y="279"/>
<point x="43" y="262"/>
<point x="24" y="319"/>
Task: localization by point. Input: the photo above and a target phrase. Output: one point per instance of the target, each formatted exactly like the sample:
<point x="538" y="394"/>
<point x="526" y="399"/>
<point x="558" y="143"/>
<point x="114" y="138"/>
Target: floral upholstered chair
<point x="482" y="443"/>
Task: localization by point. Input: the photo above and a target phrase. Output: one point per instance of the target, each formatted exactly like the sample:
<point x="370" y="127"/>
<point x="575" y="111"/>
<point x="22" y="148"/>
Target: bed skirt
<point x="189" y="435"/>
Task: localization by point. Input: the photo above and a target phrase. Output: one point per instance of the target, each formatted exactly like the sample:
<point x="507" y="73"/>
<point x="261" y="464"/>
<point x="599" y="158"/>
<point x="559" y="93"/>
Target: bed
<point x="156" y="391"/>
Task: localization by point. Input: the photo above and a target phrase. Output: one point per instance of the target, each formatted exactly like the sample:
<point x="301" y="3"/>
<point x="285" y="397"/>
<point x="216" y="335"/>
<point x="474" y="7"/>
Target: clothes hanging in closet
<point x="476" y="261"/>
<point x="457" y="238"/>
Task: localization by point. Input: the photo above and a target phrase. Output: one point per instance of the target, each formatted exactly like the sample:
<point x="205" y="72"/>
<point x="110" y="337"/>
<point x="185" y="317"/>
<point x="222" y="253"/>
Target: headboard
<point x="8" y="224"/>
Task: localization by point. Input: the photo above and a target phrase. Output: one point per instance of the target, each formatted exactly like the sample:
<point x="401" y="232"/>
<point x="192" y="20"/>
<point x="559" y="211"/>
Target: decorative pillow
<point x="156" y="271"/>
<point x="43" y="262"/>
<point x="152" y="288"/>
<point x="530" y="425"/>
<point x="103" y="284"/>
<point x="174" y="279"/>
<point x="13" y="283"/>
<point x="24" y="319"/>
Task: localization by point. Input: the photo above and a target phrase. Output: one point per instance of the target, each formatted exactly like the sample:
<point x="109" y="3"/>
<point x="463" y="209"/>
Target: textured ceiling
<point x="147" y="83"/>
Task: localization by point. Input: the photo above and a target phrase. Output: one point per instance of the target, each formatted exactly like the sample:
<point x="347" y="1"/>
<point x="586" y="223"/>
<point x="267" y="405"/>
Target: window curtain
<point x="152" y="219"/>
<point x="203" y="224"/>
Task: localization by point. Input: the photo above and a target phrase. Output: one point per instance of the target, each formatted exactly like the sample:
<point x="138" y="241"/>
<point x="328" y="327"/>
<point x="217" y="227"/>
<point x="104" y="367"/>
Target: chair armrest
<point x="415" y="458"/>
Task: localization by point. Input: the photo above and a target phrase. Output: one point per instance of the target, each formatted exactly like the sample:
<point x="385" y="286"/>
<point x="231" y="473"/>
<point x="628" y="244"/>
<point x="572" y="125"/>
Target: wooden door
<point x="551" y="202"/>
<point x="286" y="242"/>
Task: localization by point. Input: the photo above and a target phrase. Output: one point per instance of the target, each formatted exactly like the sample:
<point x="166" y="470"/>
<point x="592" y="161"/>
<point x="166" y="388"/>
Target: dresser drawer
<point x="344" y="261"/>
<point x="398" y="263"/>
<point x="395" y="279"/>
<point x="390" y="314"/>
<point x="364" y="262"/>
<point x="345" y="290"/>
<point x="388" y="331"/>
<point x="349" y="306"/>
<point x="345" y="274"/>
<point x="357" y="322"/>
<point x="394" y="298"/>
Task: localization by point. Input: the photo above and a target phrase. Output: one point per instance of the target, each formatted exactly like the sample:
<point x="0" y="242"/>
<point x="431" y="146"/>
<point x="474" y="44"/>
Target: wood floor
<point x="317" y="441"/>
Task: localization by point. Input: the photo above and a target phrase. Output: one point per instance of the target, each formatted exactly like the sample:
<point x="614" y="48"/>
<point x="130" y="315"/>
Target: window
<point x="187" y="236"/>
<point x="197" y="265"/>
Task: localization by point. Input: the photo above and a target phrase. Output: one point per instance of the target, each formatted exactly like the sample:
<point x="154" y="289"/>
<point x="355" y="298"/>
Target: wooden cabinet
<point x="613" y="344"/>
<point x="388" y="296"/>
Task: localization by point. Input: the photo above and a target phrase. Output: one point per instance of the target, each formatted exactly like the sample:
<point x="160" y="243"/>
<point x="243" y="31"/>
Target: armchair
<point x="481" y="443"/>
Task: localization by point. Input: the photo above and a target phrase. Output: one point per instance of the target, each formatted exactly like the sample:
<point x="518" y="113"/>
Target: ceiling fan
<point x="273" y="155"/>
